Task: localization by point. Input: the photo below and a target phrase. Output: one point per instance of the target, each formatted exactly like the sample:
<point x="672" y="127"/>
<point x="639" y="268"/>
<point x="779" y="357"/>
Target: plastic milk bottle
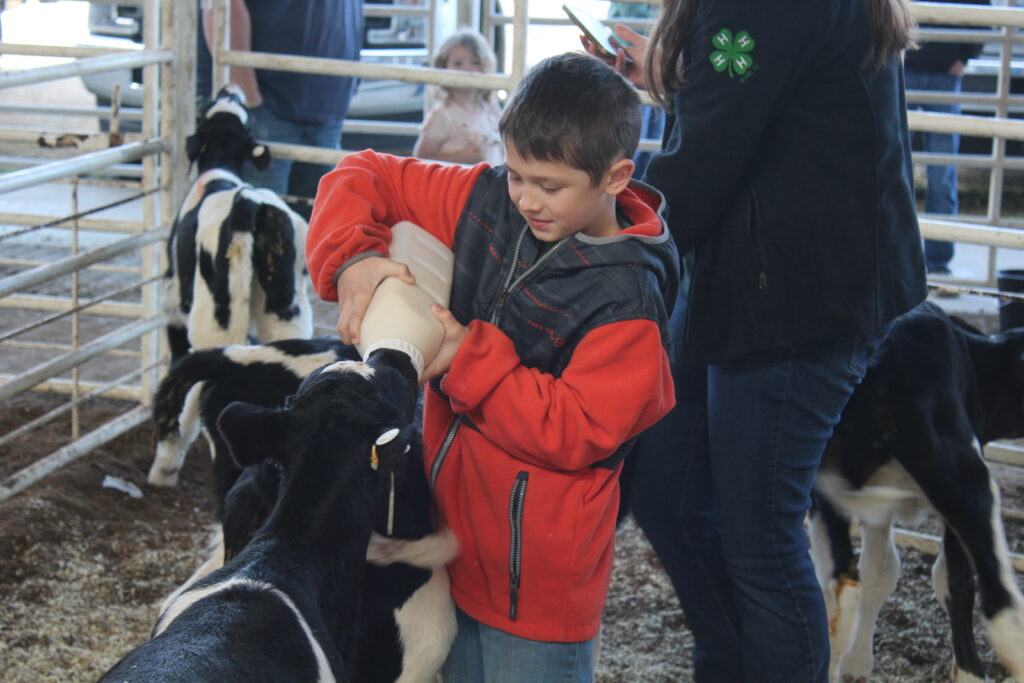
<point x="399" y="315"/>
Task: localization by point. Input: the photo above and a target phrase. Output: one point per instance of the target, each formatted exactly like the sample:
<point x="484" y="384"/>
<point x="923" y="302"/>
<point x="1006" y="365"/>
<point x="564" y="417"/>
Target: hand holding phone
<point x="607" y="42"/>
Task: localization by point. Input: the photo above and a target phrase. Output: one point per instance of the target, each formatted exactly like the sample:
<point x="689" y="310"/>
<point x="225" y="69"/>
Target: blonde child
<point x="463" y="126"/>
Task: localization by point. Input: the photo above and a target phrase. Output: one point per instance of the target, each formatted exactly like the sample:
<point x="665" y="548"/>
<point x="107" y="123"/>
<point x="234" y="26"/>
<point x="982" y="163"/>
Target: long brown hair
<point x="891" y="25"/>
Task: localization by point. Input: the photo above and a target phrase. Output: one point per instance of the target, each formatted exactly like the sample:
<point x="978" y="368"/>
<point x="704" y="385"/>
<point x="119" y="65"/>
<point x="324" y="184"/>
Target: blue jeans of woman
<point x="483" y="654"/>
<point x="285" y="176"/>
<point x="721" y="486"/>
<point x="941" y="193"/>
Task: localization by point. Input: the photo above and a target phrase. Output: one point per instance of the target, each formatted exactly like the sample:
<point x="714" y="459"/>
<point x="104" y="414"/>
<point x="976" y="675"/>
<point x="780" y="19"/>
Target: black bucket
<point x="1011" y="312"/>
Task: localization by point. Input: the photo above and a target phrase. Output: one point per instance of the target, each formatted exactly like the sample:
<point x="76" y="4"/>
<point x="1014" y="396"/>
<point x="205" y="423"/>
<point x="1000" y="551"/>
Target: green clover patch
<point x="732" y="53"/>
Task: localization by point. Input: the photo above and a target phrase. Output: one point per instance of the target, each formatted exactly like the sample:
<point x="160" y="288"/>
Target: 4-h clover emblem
<point x="731" y="53"/>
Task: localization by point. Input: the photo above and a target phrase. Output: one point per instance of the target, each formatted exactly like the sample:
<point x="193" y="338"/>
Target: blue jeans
<point x="941" y="194"/>
<point x="652" y="126"/>
<point x="483" y="654"/>
<point x="721" y="486"/>
<point x="284" y="176"/>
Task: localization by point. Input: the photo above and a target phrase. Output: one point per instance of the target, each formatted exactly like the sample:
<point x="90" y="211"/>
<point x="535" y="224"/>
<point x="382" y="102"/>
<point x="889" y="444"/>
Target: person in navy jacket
<point x="787" y="173"/>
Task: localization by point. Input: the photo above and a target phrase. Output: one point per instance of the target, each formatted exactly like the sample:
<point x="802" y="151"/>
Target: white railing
<point x="127" y="319"/>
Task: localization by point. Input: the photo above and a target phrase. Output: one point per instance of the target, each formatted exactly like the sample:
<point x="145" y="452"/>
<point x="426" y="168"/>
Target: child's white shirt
<point x="454" y="126"/>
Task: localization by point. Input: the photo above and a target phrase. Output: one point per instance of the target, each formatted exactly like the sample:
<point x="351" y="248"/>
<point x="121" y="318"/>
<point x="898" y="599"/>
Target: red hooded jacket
<point x="565" y="364"/>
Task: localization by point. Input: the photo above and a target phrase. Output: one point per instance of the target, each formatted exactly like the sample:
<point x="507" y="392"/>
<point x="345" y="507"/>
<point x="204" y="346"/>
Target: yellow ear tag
<point x="374" y="458"/>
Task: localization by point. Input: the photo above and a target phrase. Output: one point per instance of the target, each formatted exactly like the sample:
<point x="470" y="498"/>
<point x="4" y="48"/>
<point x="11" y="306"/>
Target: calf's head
<point x="222" y="138"/>
<point x="333" y="446"/>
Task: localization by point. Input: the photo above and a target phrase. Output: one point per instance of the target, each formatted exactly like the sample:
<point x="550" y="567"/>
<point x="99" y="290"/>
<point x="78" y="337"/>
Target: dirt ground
<point x="83" y="568"/>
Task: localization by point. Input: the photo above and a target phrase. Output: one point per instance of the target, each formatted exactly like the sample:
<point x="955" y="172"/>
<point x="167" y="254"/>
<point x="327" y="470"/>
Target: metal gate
<point x="56" y="256"/>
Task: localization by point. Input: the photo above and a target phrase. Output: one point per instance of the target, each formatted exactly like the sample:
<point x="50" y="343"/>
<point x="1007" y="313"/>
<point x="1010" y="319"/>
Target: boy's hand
<point x="454" y="335"/>
<point x="356" y="286"/>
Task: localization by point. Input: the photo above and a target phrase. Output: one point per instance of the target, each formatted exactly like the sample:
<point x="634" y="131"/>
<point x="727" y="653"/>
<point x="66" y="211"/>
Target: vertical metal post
<point x="996" y="173"/>
<point x="469" y="14"/>
<point x="221" y="40"/>
<point x="520" y="23"/>
<point x="75" y="392"/>
<point x="152" y="81"/>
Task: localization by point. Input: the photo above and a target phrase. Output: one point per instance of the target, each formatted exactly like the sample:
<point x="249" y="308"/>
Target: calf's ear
<point x="193" y="145"/>
<point x="392" y="445"/>
<point x="253" y="433"/>
<point x="260" y="155"/>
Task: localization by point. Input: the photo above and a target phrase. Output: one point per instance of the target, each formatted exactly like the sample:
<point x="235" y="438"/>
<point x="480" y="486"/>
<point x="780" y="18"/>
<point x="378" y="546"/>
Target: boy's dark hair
<point x="573" y="108"/>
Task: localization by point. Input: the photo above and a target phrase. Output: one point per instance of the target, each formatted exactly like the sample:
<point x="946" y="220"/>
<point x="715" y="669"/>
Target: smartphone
<point x="602" y="36"/>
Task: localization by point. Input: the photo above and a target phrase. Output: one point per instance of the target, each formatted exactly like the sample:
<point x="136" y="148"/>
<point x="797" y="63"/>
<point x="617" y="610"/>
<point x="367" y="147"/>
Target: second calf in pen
<point x="236" y="264"/>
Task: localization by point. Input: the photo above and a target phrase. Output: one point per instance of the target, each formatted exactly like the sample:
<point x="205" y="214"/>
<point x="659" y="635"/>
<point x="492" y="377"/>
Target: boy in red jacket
<point x="554" y="356"/>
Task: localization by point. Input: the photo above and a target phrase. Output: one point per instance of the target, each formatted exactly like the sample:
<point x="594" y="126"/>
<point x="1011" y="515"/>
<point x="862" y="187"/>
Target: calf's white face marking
<point x="355" y="366"/>
<point x="229" y="106"/>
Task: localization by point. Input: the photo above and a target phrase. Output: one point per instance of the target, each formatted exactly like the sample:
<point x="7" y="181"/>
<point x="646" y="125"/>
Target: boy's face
<point x="558" y="200"/>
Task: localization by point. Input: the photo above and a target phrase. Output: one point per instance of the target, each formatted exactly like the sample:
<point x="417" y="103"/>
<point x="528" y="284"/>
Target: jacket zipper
<point x="515" y="554"/>
<point x="442" y="453"/>
<point x="509" y="284"/>
<point x="759" y="259"/>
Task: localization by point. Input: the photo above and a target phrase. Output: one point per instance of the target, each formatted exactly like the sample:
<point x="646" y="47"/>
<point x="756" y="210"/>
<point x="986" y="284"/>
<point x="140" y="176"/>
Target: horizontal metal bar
<point x="124" y="113"/>
<point x="968" y="161"/>
<point x="985" y="126"/>
<point x="932" y="34"/>
<point x="96" y="224"/>
<point x="25" y="263"/>
<point x="21" y="480"/>
<point x="99" y="346"/>
<point x="116" y="389"/>
<point x="377" y="127"/>
<point x="989" y="100"/>
<point x="342" y="67"/>
<point x="41" y="302"/>
<point x="66" y="139"/>
<point x="932" y="545"/>
<point x="1005" y="453"/>
<point x="117" y="170"/>
<point x="83" y="163"/>
<point x="955" y="231"/>
<point x="313" y="155"/>
<point x="40" y="274"/>
<point x="33" y="50"/>
<point x="973" y="15"/>
<point x="82" y="214"/>
<point x="89" y="307"/>
<point x="85" y="65"/>
<point x="396" y="11"/>
<point x="66" y="347"/>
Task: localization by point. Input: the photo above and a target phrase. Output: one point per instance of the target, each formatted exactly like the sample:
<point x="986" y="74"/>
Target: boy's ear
<point x="618" y="176"/>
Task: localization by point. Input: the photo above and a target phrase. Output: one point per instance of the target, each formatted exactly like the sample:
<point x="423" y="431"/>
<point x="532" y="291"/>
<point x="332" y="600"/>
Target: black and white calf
<point x="287" y="607"/>
<point x="236" y="254"/>
<point x="407" y="619"/>
<point x="201" y="384"/>
<point x="911" y="439"/>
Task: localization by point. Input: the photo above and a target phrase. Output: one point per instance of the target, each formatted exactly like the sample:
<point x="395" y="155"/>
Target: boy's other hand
<point x="454" y="335"/>
<point x="356" y="286"/>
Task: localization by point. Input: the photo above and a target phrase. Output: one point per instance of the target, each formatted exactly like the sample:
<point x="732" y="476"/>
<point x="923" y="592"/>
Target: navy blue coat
<point x="788" y="177"/>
